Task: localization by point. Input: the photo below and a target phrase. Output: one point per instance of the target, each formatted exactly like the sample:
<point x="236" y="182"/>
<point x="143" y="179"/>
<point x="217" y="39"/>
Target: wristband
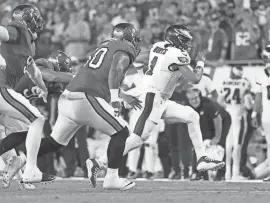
<point x="254" y="114"/>
<point x="200" y="64"/>
<point x="114" y="95"/>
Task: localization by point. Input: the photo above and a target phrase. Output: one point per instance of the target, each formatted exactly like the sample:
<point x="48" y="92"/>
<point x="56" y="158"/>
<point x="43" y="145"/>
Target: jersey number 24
<point x="232" y="95"/>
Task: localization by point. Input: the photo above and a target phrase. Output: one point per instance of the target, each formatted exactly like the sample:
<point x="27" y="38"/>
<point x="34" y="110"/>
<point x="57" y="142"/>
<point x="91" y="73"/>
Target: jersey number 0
<point x="96" y="61"/>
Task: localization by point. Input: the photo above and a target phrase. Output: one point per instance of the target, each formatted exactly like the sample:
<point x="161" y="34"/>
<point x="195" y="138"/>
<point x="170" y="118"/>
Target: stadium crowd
<point x="222" y="29"/>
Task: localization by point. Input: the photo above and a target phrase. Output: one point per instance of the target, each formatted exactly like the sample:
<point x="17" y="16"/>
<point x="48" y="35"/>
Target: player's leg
<point x="150" y="155"/>
<point x="15" y="105"/>
<point x="134" y="155"/>
<point x="16" y="132"/>
<point x="103" y="119"/>
<point x="228" y="150"/>
<point x="266" y="127"/>
<point x="178" y="113"/>
<point x="240" y="129"/>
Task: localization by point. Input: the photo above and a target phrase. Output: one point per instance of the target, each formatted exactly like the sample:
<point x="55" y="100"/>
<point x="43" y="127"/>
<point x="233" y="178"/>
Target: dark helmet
<point x="266" y="58"/>
<point x="31" y="16"/>
<point x="128" y="32"/>
<point x="178" y="36"/>
<point x="61" y="61"/>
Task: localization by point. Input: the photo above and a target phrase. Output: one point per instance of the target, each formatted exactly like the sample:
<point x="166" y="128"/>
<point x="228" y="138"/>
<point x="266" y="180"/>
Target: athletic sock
<point x="12" y="141"/>
<point x="116" y="148"/>
<point x="48" y="144"/>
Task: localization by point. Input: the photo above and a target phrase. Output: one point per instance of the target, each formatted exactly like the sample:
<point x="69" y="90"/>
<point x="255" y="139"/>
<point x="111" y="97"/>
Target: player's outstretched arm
<point x="194" y="75"/>
<point x="54" y="76"/>
<point x="35" y="74"/>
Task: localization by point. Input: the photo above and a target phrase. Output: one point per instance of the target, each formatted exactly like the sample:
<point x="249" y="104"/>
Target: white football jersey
<point x="233" y="91"/>
<point x="161" y="76"/>
<point x="263" y="86"/>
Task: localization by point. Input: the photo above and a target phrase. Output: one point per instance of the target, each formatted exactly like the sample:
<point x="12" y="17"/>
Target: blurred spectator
<point x="77" y="35"/>
<point x="227" y="24"/>
<point x="217" y="42"/>
<point x="245" y="38"/>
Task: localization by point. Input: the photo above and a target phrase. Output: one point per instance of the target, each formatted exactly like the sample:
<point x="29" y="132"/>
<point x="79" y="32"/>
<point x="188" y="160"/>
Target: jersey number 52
<point x="232" y="95"/>
<point x="98" y="57"/>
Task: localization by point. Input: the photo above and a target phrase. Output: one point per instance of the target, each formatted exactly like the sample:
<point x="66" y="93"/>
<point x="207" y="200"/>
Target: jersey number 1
<point x="96" y="61"/>
<point x="152" y="66"/>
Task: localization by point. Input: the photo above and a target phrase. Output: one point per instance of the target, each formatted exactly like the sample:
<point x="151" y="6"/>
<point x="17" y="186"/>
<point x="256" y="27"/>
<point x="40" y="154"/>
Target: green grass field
<point x="78" y="191"/>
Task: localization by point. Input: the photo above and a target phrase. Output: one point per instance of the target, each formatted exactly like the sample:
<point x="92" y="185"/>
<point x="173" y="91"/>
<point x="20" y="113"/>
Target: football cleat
<point x="267" y="179"/>
<point x="205" y="164"/>
<point x="13" y="165"/>
<point x="36" y="176"/>
<point x="116" y="183"/>
<point x="93" y="168"/>
<point x="26" y="186"/>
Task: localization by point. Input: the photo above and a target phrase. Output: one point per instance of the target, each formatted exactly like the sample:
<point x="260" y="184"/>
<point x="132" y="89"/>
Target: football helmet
<point x="266" y="58"/>
<point x="61" y="61"/>
<point x="128" y="32"/>
<point x="179" y="36"/>
<point x="237" y="72"/>
<point x="31" y="16"/>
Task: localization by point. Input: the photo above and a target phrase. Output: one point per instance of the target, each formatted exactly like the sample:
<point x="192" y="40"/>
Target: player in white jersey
<point x="262" y="105"/>
<point x="235" y="96"/>
<point x="168" y="63"/>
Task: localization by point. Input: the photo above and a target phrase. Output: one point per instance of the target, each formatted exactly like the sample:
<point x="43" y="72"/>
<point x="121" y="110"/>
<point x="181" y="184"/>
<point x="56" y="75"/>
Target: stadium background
<point x="78" y="26"/>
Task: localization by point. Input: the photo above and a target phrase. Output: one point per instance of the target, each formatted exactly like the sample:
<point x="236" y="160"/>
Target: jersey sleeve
<point x="178" y="57"/>
<point x="13" y="33"/>
<point x="258" y="87"/>
<point x="44" y="63"/>
<point x="212" y="108"/>
<point x="125" y="47"/>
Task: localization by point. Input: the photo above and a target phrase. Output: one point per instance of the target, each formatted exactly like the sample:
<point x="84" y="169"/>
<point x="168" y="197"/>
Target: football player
<point x="169" y="63"/>
<point x="262" y="102"/>
<point x="235" y="96"/>
<point x="55" y="71"/>
<point x="93" y="98"/>
<point x="18" y="48"/>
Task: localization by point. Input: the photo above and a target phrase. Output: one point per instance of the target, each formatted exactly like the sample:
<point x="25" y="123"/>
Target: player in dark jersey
<point x="18" y="48"/>
<point x="55" y="71"/>
<point x="93" y="98"/>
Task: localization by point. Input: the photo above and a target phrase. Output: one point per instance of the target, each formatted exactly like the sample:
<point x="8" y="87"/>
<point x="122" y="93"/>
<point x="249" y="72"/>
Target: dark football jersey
<point x="16" y="54"/>
<point x="92" y="78"/>
<point x="27" y="87"/>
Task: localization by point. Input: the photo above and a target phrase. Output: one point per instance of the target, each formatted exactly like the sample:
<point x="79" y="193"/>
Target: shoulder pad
<point x="44" y="63"/>
<point x="182" y="56"/>
<point x="124" y="46"/>
<point x="18" y="24"/>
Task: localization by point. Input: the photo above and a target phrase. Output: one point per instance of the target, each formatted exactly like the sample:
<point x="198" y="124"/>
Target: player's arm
<point x="120" y="63"/>
<point x="36" y="76"/>
<point x="9" y="33"/>
<point x="194" y="75"/>
<point x="50" y="75"/>
<point x="258" y="100"/>
<point x="248" y="103"/>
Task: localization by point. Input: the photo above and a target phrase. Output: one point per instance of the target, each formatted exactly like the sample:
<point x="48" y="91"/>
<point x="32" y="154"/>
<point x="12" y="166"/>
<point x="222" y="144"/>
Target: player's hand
<point x="132" y="101"/>
<point x="43" y="94"/>
<point x="117" y="106"/>
<point x="200" y="56"/>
